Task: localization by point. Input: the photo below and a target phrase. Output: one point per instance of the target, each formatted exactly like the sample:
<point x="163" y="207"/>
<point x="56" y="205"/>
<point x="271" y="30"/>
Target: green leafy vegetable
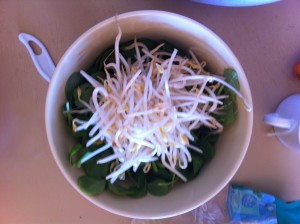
<point x="140" y="188"/>
<point x="230" y="109"/>
<point x="91" y="186"/>
<point x="66" y="110"/>
<point x="85" y="90"/>
<point x="72" y="83"/>
<point x="96" y="68"/>
<point x="158" y="187"/>
<point x="74" y="152"/>
<point x="119" y="190"/>
<point x="95" y="170"/>
<point x="195" y="166"/>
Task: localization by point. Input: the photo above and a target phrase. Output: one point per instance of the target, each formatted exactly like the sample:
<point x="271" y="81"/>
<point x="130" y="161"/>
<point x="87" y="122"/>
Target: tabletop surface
<point x="265" y="39"/>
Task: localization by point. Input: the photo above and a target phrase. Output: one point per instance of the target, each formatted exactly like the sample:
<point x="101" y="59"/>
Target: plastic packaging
<point x="247" y="205"/>
<point x="238" y="205"/>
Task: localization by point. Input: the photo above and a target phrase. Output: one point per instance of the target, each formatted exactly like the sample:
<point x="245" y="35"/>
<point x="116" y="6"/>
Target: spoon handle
<point x="42" y="61"/>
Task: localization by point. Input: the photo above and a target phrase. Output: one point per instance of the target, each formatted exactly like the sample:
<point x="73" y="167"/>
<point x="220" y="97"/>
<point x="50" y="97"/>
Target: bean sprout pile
<point x="146" y="109"/>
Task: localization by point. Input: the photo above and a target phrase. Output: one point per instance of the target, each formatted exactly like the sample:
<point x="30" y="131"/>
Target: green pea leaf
<point x="207" y="148"/>
<point x="212" y="139"/>
<point x="188" y="172"/>
<point x="141" y="179"/>
<point x="158" y="187"/>
<point x="90" y="185"/>
<point x="134" y="186"/>
<point x="119" y="190"/>
<point x="66" y="111"/>
<point x="86" y="90"/>
<point x="138" y="192"/>
<point x="231" y="77"/>
<point x="158" y="170"/>
<point x="128" y="53"/>
<point x="88" y="151"/>
<point x="93" y="169"/>
<point x="229" y="103"/>
<point x="73" y="81"/>
<point x="141" y="189"/>
<point x="159" y="165"/>
<point x="74" y="152"/>
<point x="82" y="135"/>
<point x="197" y="163"/>
<point x="165" y="174"/>
<point x="98" y="65"/>
<point x="195" y="166"/>
<point x="154" y="167"/>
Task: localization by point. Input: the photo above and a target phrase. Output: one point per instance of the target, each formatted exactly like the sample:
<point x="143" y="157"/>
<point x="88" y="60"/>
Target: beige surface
<point x="32" y="189"/>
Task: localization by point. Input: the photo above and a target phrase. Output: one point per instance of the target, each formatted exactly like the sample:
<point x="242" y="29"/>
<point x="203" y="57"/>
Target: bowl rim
<point x="132" y="214"/>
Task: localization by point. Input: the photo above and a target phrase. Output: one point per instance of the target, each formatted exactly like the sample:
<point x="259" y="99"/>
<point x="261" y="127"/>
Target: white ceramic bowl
<point x="185" y="33"/>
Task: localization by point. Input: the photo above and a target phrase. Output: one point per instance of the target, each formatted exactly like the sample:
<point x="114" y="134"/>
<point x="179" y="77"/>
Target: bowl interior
<point x="184" y="33"/>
